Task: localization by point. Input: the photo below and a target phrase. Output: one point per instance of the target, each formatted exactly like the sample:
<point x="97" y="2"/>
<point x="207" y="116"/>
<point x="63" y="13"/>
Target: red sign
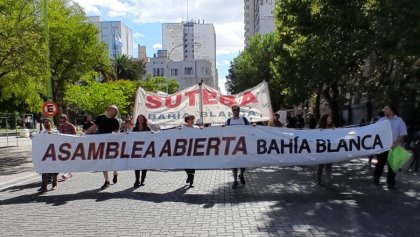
<point x="49" y="109"/>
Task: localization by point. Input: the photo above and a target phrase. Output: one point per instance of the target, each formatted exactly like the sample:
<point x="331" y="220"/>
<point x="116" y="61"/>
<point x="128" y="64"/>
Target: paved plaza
<point x="275" y="202"/>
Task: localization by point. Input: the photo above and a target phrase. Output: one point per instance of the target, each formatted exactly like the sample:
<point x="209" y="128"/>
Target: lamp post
<point x="172" y="50"/>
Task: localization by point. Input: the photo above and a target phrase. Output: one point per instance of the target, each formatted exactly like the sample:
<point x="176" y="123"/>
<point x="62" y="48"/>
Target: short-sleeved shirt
<point x="237" y="121"/>
<point x="397" y="126"/>
<point x="87" y="125"/>
<point x="67" y="128"/>
<point x="106" y="125"/>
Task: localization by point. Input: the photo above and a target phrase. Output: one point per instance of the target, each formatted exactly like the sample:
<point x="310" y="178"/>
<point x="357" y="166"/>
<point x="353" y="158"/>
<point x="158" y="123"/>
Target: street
<point x="275" y="202"/>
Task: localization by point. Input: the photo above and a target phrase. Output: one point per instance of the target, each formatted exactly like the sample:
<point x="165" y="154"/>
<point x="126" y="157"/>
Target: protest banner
<point x="171" y="109"/>
<point x="208" y="148"/>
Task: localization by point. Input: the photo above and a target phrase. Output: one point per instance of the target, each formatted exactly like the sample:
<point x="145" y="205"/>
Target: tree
<point x="323" y="44"/>
<point x="128" y="68"/>
<point x="22" y="57"/>
<point x="74" y="46"/>
<point x="254" y="65"/>
<point x="160" y="83"/>
<point x="94" y="97"/>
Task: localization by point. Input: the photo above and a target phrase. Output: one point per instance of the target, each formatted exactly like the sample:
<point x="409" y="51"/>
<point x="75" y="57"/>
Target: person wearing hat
<point x="47" y="123"/>
<point x="106" y="123"/>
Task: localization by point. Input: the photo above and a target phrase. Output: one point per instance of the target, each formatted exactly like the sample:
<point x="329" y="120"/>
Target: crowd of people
<point x="108" y="123"/>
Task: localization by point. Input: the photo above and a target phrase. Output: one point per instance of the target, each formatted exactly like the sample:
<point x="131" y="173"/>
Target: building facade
<point x="258" y="17"/>
<point x="187" y="73"/>
<point x="116" y="35"/>
<point x="188" y="42"/>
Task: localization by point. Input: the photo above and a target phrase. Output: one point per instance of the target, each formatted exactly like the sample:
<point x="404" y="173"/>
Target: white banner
<point x="208" y="148"/>
<point x="171" y="109"/>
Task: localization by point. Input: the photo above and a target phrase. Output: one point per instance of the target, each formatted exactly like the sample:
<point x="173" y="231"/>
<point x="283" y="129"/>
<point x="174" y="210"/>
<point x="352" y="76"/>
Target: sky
<point x="144" y="17"/>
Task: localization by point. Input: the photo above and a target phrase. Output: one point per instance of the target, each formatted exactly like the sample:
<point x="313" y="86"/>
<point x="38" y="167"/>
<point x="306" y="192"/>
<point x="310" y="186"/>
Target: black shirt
<point x="146" y="129"/>
<point x="106" y="125"/>
<point x="87" y="125"/>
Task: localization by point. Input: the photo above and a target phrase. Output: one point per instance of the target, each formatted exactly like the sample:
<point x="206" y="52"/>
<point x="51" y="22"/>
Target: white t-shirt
<point x="51" y="131"/>
<point x="238" y="121"/>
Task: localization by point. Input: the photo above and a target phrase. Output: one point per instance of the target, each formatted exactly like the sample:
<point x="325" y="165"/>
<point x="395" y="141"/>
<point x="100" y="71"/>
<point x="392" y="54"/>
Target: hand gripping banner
<point x="171" y="109"/>
<point x="207" y="148"/>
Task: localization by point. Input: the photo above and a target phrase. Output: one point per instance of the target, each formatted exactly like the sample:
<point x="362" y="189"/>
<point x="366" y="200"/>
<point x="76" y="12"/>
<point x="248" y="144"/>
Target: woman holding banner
<point x="189" y="120"/>
<point x="141" y="126"/>
<point x="325" y="122"/>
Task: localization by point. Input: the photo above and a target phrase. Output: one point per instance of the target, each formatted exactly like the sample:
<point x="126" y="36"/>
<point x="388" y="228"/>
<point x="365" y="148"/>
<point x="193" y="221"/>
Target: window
<point x="154" y="72"/>
<point x="188" y="71"/>
<point x="162" y="72"/>
<point x="174" y="72"/>
<point x="186" y="51"/>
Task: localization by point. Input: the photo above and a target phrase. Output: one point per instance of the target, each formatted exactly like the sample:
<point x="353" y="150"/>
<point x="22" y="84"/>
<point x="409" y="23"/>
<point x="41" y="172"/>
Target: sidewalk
<point x="275" y="202"/>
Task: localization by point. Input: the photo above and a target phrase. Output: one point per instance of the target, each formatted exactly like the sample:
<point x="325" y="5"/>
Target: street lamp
<point x="169" y="59"/>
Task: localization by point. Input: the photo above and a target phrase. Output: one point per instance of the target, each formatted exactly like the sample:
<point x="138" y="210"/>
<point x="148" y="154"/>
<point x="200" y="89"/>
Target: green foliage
<point x="160" y="83"/>
<point x="254" y="65"/>
<point x="74" y="46"/>
<point x="22" y="57"/>
<point x="94" y="97"/>
<point x="128" y="68"/>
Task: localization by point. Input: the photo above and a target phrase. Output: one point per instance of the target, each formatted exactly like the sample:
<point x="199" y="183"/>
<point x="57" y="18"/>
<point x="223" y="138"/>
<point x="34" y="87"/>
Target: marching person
<point x="399" y="131"/>
<point x="88" y="123"/>
<point x="189" y="120"/>
<point x="325" y="122"/>
<point x="275" y="121"/>
<point x="141" y="126"/>
<point x="233" y="121"/>
<point x="127" y="125"/>
<point x="46" y="122"/>
<point x="65" y="127"/>
<point x="106" y="123"/>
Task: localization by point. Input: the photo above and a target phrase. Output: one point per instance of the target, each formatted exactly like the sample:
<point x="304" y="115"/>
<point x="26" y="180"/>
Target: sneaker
<point x="115" y="179"/>
<point x="242" y="179"/>
<point x="43" y="189"/>
<point x="106" y="185"/>
<point x="235" y="184"/>
<point x="137" y="184"/>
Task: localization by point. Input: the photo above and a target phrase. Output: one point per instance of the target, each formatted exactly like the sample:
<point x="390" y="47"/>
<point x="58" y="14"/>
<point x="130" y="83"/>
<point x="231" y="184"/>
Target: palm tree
<point x="128" y="68"/>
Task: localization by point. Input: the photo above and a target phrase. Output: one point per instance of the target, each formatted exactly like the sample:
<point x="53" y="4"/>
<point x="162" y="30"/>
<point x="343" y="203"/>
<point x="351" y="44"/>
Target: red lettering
<point x="80" y="151"/>
<point x="112" y="150"/>
<point x="199" y="144"/>
<point x="213" y="143"/>
<point x="137" y="146"/>
<point x="50" y="153"/>
<point x="150" y="150"/>
<point x="180" y="147"/>
<point x="228" y="100"/>
<point x="123" y="154"/>
<point x="248" y="98"/>
<point x="209" y="97"/>
<point x="240" y="146"/>
<point x="170" y="105"/>
<point x="191" y="96"/>
<point x="153" y="102"/>
<point x="95" y="154"/>
<point x="65" y="151"/>
<point x="166" y="148"/>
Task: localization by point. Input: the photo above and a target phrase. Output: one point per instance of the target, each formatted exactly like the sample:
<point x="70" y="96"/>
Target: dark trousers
<point x="382" y="160"/>
<point x="235" y="173"/>
<point x="45" y="179"/>
<point x="190" y="174"/>
<point x="416" y="155"/>
<point x="143" y="175"/>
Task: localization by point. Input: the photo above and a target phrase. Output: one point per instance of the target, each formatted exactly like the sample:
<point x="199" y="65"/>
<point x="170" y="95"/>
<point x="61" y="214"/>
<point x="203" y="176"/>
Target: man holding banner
<point x="237" y="120"/>
<point x="399" y="131"/>
<point x="106" y="123"/>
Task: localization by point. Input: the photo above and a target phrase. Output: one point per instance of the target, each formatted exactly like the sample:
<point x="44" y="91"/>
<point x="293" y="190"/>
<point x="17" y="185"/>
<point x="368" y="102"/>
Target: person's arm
<point x="92" y="129"/>
<point x="73" y="130"/>
<point x="402" y="133"/>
